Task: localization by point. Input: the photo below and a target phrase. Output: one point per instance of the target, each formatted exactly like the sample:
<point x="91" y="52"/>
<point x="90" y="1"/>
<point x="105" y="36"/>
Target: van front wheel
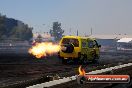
<point x="96" y="59"/>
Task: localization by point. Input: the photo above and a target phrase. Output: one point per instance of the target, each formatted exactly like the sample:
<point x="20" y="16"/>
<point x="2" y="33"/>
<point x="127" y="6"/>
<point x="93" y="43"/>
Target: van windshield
<point x="74" y="41"/>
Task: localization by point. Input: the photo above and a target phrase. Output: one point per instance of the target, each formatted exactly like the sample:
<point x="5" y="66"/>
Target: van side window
<point x="90" y="44"/>
<point x="75" y="42"/>
<point x="84" y="44"/>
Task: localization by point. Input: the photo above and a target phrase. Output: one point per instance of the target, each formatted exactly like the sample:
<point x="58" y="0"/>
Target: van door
<point x="84" y="50"/>
<point x="84" y="46"/>
<point x="91" y="49"/>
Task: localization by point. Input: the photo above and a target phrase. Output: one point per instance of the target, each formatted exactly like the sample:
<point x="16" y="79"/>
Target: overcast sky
<point x="103" y="16"/>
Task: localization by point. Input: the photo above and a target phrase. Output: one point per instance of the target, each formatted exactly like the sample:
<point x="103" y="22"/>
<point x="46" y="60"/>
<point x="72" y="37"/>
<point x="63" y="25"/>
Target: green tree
<point x="57" y="31"/>
<point x="17" y="30"/>
<point x="22" y="32"/>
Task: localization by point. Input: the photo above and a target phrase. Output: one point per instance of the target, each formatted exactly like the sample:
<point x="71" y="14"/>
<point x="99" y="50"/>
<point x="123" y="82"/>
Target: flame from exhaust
<point x="81" y="71"/>
<point x="42" y="49"/>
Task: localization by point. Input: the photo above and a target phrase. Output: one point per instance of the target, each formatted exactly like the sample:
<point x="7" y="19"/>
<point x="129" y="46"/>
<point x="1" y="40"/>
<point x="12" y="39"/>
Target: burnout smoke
<point x="43" y="49"/>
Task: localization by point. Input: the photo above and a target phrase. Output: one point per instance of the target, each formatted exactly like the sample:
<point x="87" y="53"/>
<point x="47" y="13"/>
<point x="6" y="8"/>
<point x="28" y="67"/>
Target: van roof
<point x="78" y="37"/>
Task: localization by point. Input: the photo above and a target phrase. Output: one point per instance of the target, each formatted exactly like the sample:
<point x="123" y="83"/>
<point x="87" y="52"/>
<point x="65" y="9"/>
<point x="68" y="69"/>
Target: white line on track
<point x="68" y="79"/>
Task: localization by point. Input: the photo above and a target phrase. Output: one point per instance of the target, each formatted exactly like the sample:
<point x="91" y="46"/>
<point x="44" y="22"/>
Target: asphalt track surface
<point x="16" y="72"/>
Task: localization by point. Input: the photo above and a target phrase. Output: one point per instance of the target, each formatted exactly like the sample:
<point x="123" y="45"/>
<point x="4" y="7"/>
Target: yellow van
<point x="78" y="49"/>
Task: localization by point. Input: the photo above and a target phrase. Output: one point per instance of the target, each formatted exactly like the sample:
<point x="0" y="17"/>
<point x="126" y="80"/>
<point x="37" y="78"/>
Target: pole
<point x="91" y="31"/>
<point x="77" y="32"/>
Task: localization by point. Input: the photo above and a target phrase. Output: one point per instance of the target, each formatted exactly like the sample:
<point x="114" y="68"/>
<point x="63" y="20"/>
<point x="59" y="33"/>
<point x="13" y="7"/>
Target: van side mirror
<point x="99" y="46"/>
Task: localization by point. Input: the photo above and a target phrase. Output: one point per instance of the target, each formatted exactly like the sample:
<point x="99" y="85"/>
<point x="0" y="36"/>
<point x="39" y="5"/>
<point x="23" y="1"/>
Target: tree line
<point x="14" y="29"/>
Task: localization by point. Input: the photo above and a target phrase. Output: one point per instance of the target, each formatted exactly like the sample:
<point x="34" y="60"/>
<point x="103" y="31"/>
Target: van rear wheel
<point x="85" y="60"/>
<point x="65" y="61"/>
<point x="76" y="60"/>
